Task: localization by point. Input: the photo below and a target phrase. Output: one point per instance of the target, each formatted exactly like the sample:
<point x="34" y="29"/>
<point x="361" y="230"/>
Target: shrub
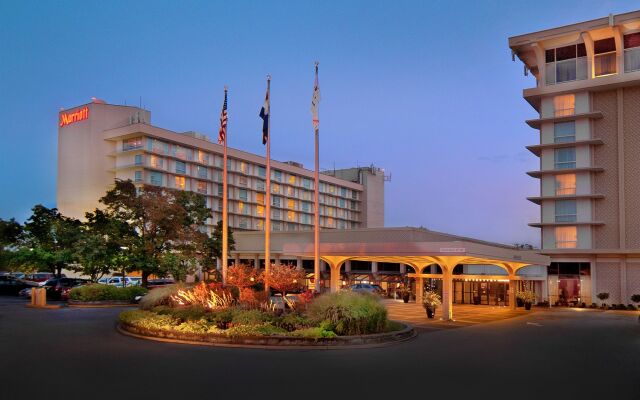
<point x="161" y="296"/>
<point x="105" y="293"/>
<point x="314" y="333"/>
<point x="631" y="307"/>
<point x="192" y="313"/>
<point x="603" y="296"/>
<point x="208" y="296"/>
<point x="292" y="321"/>
<point x="255" y="330"/>
<point x="250" y="298"/>
<point x="221" y="318"/>
<point x="635" y="298"/>
<point x="348" y="313"/>
<point x="593" y="305"/>
<point x="148" y="319"/>
<point x="250" y="317"/>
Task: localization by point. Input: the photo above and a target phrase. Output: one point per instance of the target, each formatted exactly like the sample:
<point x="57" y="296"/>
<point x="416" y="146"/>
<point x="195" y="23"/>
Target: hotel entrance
<point x="494" y="293"/>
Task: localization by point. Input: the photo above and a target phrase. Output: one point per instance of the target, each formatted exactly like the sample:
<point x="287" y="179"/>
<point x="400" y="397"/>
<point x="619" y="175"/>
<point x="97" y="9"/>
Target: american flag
<point x="222" y="134"/>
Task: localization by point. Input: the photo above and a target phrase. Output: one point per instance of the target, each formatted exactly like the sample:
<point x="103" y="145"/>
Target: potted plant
<point x="527" y="297"/>
<point x="430" y="301"/>
<point x="603" y="297"/>
<point x="405" y="293"/>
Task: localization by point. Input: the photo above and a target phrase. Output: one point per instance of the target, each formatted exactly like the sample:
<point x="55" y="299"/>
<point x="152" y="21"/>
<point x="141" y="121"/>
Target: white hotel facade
<point x="99" y="142"/>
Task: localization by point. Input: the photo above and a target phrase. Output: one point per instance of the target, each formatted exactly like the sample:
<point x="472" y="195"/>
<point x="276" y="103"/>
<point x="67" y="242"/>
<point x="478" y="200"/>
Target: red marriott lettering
<point x="70" y="118"/>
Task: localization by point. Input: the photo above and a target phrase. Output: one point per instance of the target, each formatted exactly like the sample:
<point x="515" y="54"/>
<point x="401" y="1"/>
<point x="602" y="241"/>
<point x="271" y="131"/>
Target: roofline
<point x="101" y="104"/>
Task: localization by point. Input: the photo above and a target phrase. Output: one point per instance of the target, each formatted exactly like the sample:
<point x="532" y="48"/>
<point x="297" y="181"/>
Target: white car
<point x="117" y="281"/>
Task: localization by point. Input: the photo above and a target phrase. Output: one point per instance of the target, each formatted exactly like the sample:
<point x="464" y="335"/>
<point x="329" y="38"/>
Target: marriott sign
<point x="70" y="118"/>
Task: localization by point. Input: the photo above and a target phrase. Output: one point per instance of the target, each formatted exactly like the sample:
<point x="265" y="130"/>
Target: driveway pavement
<point x="76" y="353"/>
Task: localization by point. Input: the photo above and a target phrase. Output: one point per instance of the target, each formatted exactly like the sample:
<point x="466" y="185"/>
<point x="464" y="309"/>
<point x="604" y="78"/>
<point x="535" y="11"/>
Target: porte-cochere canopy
<point x="416" y="247"/>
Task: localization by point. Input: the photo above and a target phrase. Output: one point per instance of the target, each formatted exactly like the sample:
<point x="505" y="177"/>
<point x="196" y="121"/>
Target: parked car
<point x="10" y="285"/>
<point x="19" y="275"/>
<point x="57" y="287"/>
<point x="366" y="288"/>
<point x="155" y="283"/>
<point x="41" y="276"/>
<point x="117" y="281"/>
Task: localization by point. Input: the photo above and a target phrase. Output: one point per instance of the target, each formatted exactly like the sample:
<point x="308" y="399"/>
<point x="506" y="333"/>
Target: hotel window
<point x="292" y="179"/>
<point x="203" y="157"/>
<point x="202" y="171"/>
<point x="306" y="183"/>
<point x="291" y="204"/>
<point x="181" y="167"/>
<point x="229" y="164"/>
<point x="354" y="195"/>
<point x="342" y="203"/>
<point x="202" y="187"/>
<point x="218" y="161"/>
<point x="275" y="188"/>
<point x="243" y="167"/>
<point x="220" y="190"/>
<point x="565" y="64"/>
<point x="137" y="159"/>
<point x="292" y="192"/>
<point x="353" y="205"/>
<point x="180" y="152"/>
<point x="275" y="214"/>
<point x="342" y="224"/>
<point x="565" y="158"/>
<point x="330" y="211"/>
<point x="158" y="146"/>
<point x="137" y="176"/>
<point x="306" y="195"/>
<point x="242" y="180"/>
<point x="260" y="225"/>
<point x="566" y="237"/>
<point x="632" y="52"/>
<point x="260" y="185"/>
<point x="604" y="59"/>
<point x="291" y="215"/>
<point x="276" y="226"/>
<point x="277" y="175"/>
<point x="564" y="105"/>
<point x="305" y="219"/>
<point x="343" y="192"/>
<point x="275" y="201"/>
<point x="330" y="222"/>
<point x="306" y="206"/>
<point x="243" y="223"/>
<point x="218" y="176"/>
<point x="260" y="211"/>
<point x="156" y="162"/>
<point x="566" y="211"/>
<point x="180" y="182"/>
<point x="155" y="178"/>
<point x="291" y="227"/>
<point x="260" y="198"/>
<point x="564" y="132"/>
<point x="565" y="184"/>
<point x="262" y="172"/>
<point x="242" y="194"/>
<point x="133" y="143"/>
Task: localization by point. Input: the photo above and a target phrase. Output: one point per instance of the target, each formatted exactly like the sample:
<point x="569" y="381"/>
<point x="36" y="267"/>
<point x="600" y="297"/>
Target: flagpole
<point x="316" y="201"/>
<point x="225" y="208"/>
<point x="267" y="218"/>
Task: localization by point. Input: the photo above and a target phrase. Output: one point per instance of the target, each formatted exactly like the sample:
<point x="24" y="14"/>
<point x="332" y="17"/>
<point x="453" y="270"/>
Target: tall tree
<point x="10" y="234"/>
<point x="214" y="245"/>
<point x="167" y="224"/>
<point x="48" y="239"/>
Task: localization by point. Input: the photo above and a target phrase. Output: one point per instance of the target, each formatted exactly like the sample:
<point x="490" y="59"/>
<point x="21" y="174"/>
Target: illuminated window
<point x="566" y="237"/>
<point x="564" y="132"/>
<point x="133" y="143"/>
<point x="565" y="184"/>
<point x="564" y="105"/>
<point x="330" y="222"/>
<point x="180" y="182"/>
<point x="565" y="158"/>
<point x="292" y="179"/>
<point x="243" y="167"/>
<point x="330" y="211"/>
<point x="241" y="207"/>
<point x="275" y="188"/>
<point x="632" y="52"/>
<point x="291" y="204"/>
<point x="202" y="187"/>
<point x="291" y="215"/>
<point x="156" y="162"/>
<point x="291" y="191"/>
<point x="604" y="59"/>
<point x="260" y="211"/>
<point x="242" y="180"/>
<point x="566" y="210"/>
<point x="203" y="157"/>
<point x="332" y="189"/>
<point x="260" y="225"/>
<point x="260" y="198"/>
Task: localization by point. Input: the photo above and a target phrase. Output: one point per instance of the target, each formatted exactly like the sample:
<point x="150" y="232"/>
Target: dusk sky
<point x="424" y="89"/>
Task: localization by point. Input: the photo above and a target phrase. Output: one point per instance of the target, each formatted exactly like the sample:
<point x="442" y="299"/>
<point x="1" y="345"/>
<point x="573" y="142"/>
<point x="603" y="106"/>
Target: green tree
<point x="48" y="240"/>
<point x="10" y="234"/>
<point x="166" y="224"/>
<point x="214" y="246"/>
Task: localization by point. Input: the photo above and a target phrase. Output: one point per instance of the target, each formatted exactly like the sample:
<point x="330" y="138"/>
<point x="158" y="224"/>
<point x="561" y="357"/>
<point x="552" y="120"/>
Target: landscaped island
<point x="213" y="314"/>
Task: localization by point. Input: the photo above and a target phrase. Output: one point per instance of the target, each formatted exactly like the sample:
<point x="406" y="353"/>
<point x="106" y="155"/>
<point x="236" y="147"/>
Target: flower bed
<point x="208" y="316"/>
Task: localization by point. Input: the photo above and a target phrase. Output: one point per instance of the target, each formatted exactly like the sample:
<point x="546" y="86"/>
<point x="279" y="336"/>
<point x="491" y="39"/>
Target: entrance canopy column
<point x="447" y="294"/>
<point x="335" y="262"/>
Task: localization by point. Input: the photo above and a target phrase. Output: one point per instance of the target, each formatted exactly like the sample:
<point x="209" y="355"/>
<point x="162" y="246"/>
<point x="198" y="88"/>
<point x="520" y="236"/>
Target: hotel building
<point x="587" y="94"/>
<point x="99" y="142"/>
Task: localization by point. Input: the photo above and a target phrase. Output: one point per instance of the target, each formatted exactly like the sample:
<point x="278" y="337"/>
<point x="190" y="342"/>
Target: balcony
<point x="580" y="223"/>
<point x="537" y="149"/>
<point x="539" y="199"/>
<point x="563" y="117"/>
<point x="540" y="173"/>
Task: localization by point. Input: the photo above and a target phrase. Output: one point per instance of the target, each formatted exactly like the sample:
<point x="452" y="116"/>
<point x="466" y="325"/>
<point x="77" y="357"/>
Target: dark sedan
<point x="10" y="285"/>
<point x="58" y="288"/>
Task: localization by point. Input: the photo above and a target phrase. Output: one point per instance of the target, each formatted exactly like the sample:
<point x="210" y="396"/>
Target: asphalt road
<point x="76" y="353"/>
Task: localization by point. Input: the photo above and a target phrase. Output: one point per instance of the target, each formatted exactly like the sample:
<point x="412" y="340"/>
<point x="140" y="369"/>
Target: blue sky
<point x="424" y="89"/>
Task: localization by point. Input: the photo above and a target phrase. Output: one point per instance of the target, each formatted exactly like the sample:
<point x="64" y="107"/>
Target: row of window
<point x="187" y="154"/>
<point x="252" y="224"/>
<point x="569" y="63"/>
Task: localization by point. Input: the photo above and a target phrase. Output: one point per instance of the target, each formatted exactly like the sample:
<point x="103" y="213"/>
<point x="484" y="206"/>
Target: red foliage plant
<point x="242" y="276"/>
<point x="286" y="278"/>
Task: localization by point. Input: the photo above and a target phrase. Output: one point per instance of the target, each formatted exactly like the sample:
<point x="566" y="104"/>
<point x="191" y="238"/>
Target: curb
<point x="99" y="304"/>
<point x="271" y="342"/>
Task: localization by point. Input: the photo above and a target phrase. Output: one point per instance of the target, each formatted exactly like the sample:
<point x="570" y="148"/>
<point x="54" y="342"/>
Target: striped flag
<point x="264" y="114"/>
<point x="222" y="134"/>
<point x="315" y="100"/>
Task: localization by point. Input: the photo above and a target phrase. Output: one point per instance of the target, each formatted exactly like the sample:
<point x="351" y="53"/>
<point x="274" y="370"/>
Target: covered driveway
<point x="416" y="247"/>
